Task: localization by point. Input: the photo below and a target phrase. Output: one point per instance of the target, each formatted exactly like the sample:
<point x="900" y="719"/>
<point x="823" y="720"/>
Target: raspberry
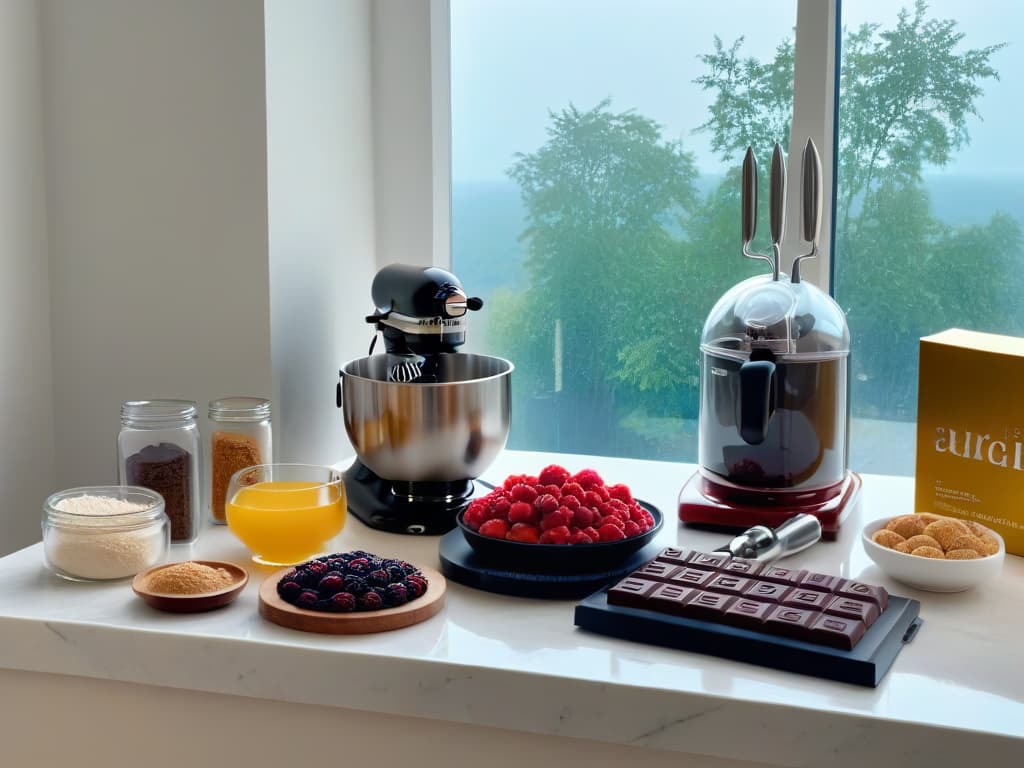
<point x="523" y="492"/>
<point x="610" y="533"/>
<point x="583" y="517"/>
<point x="579" y="537"/>
<point x="521" y="512"/>
<point x="592" y="499"/>
<point x="588" y="478"/>
<point x="494" y="528"/>
<point x="614" y="507"/>
<point x="553" y="474"/>
<point x="360" y="566"/>
<point x="591" y="531"/>
<point x="611" y="520"/>
<point x="416" y="586"/>
<point x="631" y="529"/>
<point x="524" y="533"/>
<point x="559" y="518"/>
<point x="573" y="489"/>
<point x="621" y="492"/>
<point x="512" y="480"/>
<point x="307" y="598"/>
<point x="559" y="535"/>
<point x="570" y="501"/>
<point x="318" y="568"/>
<point x="499" y="510"/>
<point x="330" y="584"/>
<point x="546" y="504"/>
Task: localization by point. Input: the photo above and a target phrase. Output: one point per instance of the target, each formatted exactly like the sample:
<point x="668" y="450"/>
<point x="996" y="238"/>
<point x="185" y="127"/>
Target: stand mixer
<point x="774" y="405"/>
<point x="425" y="420"/>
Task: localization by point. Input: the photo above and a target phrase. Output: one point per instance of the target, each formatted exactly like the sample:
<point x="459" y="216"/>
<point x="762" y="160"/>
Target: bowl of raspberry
<point x="558" y="521"/>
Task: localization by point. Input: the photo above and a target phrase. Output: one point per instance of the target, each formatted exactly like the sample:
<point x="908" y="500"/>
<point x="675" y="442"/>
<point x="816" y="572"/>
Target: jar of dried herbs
<point x="240" y="437"/>
<point x="159" y="448"/>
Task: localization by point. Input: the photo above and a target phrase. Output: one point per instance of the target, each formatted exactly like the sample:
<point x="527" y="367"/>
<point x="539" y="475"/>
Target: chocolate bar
<point x="763" y="613"/>
<point x="795" y="603"/>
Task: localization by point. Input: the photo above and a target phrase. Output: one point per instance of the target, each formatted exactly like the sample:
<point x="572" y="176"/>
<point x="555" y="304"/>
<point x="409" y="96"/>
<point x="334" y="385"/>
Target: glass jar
<point x="240" y="437"/>
<point x="158" y="448"/>
<point x="104" y="532"/>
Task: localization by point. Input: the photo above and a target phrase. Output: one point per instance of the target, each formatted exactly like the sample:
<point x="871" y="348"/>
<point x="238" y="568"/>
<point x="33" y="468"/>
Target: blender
<point x="425" y="419"/>
<point x="774" y="387"/>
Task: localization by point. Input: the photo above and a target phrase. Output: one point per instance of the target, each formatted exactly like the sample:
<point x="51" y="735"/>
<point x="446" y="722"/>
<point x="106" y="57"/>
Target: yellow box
<point x="970" y="430"/>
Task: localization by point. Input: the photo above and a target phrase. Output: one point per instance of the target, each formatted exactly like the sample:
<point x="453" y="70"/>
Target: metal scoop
<point x="764" y="544"/>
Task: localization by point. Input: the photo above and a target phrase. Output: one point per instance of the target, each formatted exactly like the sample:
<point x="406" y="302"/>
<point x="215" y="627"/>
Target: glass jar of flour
<point x="159" y="448"/>
<point x="240" y="437"/>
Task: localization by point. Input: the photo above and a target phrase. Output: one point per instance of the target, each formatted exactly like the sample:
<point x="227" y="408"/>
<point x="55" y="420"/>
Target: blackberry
<point x="409" y="568"/>
<point x="378" y="578"/>
<point x="330" y="584"/>
<point x="306" y="599"/>
<point x="343" y="602"/>
<point x="322" y="605"/>
<point x="370" y="601"/>
<point x="360" y="566"/>
<point x="395" y="573"/>
<point x="290" y="576"/>
<point x="289" y="589"/>
<point x="336" y="564"/>
<point x="308" y="578"/>
<point x="395" y="594"/>
<point x="355" y="584"/>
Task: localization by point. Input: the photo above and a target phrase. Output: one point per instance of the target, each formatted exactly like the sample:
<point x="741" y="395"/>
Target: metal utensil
<point x="764" y="544"/>
<point x="777" y="206"/>
<point x="748" y="206"/>
<point x="810" y="203"/>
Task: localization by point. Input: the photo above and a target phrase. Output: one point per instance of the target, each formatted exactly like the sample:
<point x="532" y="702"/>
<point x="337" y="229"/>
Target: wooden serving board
<point x="274" y="609"/>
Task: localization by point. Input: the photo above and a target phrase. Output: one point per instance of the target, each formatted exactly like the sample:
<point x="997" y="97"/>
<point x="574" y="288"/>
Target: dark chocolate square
<point x="693" y="577"/>
<point x="820" y="581"/>
<point x="669" y="598"/>
<point x="780" y="575"/>
<point x="747" y="613"/>
<point x="867" y="592"/>
<point x="738" y="565"/>
<point x="657" y="570"/>
<point x="729" y="583"/>
<point x="849" y="608"/>
<point x="674" y="555"/>
<point x="811" y="599"/>
<point x="790" y="622"/>
<point x="767" y="591"/>
<point x="631" y="591"/>
<point x="707" y="605"/>
<point x="712" y="560"/>
<point x="837" y="631"/>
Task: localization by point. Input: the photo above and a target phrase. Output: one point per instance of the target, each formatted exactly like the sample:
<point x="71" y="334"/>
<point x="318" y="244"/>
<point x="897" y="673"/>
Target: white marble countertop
<point x="953" y="694"/>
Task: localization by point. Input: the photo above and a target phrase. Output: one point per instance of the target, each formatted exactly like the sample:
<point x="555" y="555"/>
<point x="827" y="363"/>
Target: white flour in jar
<point x="89" y="549"/>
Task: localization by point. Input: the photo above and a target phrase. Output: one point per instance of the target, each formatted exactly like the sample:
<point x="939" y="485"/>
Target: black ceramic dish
<point x="559" y="558"/>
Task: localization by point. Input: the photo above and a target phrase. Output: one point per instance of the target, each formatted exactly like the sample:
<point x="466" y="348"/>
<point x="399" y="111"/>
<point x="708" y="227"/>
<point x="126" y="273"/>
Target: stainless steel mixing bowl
<point x="428" y="431"/>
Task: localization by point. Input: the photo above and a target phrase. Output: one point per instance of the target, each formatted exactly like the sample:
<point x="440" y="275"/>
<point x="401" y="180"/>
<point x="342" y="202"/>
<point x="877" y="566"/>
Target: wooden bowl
<point x="203" y="601"/>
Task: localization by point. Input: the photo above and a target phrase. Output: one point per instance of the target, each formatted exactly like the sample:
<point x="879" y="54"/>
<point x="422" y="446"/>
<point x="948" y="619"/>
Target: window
<point x="596" y="149"/>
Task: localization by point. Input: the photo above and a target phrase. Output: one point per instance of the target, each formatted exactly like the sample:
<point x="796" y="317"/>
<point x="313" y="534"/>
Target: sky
<point x="514" y="60"/>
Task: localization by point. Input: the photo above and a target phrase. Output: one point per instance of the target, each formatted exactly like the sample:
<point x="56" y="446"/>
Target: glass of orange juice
<point x="285" y="513"/>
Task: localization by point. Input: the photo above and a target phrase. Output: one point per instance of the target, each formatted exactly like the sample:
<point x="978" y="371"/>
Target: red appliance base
<point x="705" y="502"/>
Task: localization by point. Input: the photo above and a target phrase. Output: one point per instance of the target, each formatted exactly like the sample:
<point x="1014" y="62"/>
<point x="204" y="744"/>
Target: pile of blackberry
<point x="351" y="581"/>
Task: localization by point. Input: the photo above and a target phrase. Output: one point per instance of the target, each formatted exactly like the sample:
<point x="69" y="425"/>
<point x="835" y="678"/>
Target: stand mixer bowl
<point x="439" y="431"/>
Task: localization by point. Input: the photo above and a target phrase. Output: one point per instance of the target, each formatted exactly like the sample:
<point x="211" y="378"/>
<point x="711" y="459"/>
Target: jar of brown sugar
<point x="240" y="437"/>
<point x="159" y="448"/>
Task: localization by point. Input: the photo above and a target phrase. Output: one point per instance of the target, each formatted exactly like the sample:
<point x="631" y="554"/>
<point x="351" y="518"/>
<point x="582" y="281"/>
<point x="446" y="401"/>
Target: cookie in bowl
<point x="934" y="553"/>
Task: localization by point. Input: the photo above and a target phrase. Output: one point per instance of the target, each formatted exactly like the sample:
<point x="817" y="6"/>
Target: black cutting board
<point x="866" y="664"/>
<point x="462" y="564"/>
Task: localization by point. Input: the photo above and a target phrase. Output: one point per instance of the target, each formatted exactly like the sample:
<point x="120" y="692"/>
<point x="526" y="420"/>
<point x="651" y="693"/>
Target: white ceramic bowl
<point x="929" y="574"/>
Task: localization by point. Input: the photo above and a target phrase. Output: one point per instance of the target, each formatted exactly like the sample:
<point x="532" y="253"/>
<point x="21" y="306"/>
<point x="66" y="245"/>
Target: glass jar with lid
<point x="159" y="448"/>
<point x="240" y="437"/>
<point x="104" y="532"/>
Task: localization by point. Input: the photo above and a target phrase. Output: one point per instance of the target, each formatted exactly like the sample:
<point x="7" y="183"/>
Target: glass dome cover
<point x="797" y="322"/>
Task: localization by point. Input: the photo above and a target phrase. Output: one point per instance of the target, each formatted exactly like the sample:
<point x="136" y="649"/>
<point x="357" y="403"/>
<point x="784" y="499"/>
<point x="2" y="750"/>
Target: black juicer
<point x="424" y="419"/>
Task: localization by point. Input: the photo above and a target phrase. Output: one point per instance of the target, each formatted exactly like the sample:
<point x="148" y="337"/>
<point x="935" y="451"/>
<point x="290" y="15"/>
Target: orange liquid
<point x="285" y="522"/>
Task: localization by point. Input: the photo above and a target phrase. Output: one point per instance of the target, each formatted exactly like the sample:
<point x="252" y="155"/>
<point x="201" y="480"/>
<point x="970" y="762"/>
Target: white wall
<point x="157" y="200"/>
<point x="26" y="420"/>
<point x="320" y="165"/>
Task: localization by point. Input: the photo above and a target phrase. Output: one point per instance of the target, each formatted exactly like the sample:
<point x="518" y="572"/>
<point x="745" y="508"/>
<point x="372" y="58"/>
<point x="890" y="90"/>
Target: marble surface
<point x="955" y="692"/>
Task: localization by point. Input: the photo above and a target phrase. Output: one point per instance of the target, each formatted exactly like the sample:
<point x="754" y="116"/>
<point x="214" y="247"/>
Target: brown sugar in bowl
<point x="192" y="602"/>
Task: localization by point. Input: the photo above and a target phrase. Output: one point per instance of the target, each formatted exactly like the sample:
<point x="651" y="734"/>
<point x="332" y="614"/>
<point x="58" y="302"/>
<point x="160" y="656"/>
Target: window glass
<point x="596" y="153"/>
<point x="930" y="198"/>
